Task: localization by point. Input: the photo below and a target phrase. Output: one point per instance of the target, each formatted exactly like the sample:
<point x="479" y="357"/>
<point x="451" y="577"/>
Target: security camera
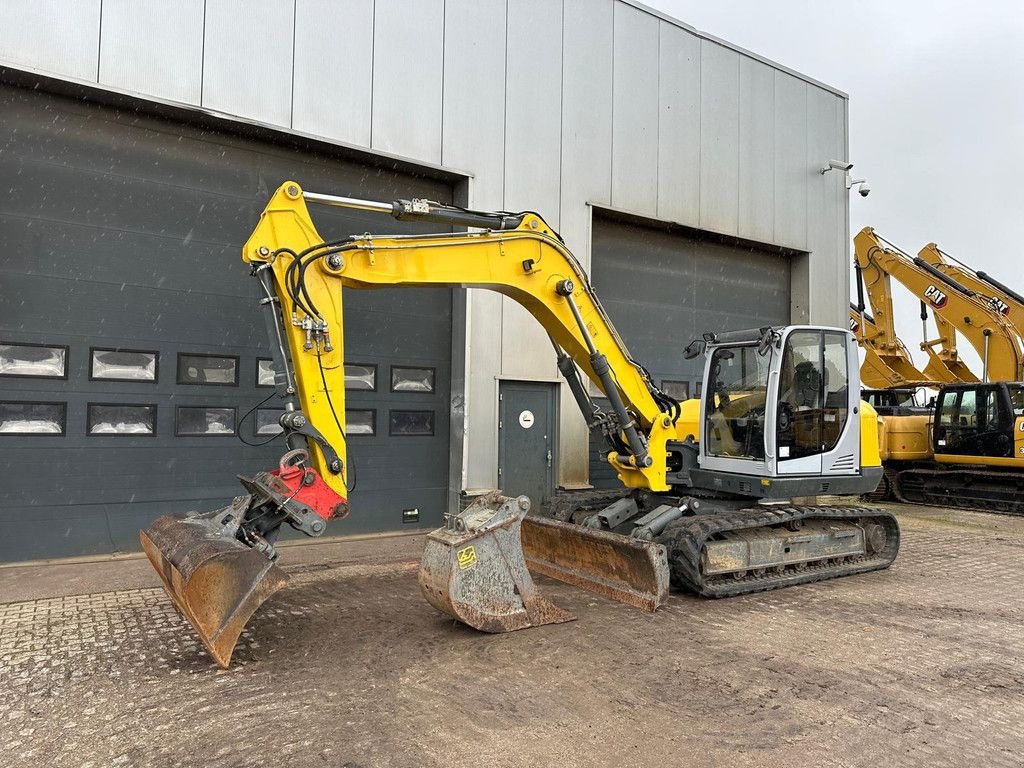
<point x="863" y="189"/>
<point x="835" y="165"/>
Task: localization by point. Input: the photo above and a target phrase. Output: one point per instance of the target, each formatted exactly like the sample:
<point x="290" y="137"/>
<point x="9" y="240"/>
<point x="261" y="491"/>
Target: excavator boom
<point x="997" y="343"/>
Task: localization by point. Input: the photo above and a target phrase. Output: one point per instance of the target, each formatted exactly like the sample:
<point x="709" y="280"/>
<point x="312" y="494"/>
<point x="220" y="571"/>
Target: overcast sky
<point x="936" y="113"/>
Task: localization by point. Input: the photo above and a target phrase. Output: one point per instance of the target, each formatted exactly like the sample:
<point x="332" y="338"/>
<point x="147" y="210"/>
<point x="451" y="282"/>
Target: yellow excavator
<point x="887" y="362"/>
<point x="709" y="485"/>
<point x="967" y="448"/>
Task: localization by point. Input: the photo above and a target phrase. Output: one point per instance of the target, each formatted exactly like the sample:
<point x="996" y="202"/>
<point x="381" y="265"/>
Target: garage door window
<point x="36" y="360"/>
<point x="410" y="423"/>
<point x="32" y="418"/>
<point x="412" y="379"/>
<point x="127" y="419"/>
<point x="680" y="390"/>
<point x="204" y="420"/>
<point x="265" y="371"/>
<point x="207" y="369"/>
<point x="361" y="421"/>
<point x="122" y="365"/>
<point x="268" y="421"/>
<point x="360" y="376"/>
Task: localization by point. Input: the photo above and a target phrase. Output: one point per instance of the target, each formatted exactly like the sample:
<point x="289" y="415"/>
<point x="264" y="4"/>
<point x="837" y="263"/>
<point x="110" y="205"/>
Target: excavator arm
<point x="517" y="255"/>
<point x="879" y="262"/>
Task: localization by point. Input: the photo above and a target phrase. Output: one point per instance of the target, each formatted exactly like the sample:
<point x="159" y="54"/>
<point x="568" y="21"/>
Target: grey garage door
<point x="663" y="288"/>
<point x="122" y="231"/>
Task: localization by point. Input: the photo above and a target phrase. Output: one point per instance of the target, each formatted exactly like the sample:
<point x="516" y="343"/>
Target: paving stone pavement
<point x="347" y="666"/>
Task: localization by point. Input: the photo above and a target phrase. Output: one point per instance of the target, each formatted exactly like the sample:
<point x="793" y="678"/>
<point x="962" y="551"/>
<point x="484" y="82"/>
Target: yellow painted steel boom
<point x="1000" y="298"/>
<point x="987" y="331"/>
<point x="528" y="263"/>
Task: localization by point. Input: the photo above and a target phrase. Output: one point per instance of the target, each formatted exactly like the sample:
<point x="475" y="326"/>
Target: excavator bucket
<point x="473" y="569"/>
<point x="477" y="568"/>
<point x="216" y="581"/>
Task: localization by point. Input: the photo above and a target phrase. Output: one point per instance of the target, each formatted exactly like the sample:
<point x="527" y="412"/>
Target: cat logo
<point x="999" y="306"/>
<point x="937" y="298"/>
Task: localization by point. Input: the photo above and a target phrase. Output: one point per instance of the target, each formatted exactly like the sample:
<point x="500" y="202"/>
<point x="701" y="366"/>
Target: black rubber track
<point x="886" y="490"/>
<point x="998" y="492"/>
<point x="685" y="541"/>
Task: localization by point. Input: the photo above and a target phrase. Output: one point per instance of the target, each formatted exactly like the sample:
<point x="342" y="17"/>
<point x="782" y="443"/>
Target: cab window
<point x="735" y="400"/>
<point x="813" y="394"/>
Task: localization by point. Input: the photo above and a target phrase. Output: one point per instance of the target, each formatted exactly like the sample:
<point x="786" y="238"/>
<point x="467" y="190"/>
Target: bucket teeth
<point x="216" y="581"/>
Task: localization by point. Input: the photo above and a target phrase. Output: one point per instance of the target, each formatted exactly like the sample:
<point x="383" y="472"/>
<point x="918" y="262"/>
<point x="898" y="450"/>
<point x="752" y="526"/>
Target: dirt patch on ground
<point x="921" y="664"/>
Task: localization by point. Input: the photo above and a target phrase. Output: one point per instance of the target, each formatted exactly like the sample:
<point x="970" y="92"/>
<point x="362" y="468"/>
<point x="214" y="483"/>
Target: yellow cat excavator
<point x="708" y="485"/>
<point x="967" y="449"/>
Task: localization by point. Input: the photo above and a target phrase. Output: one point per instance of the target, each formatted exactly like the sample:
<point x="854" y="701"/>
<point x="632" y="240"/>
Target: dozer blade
<point x="216" y="581"/>
<point x="473" y="569"/>
<point x="629" y="570"/>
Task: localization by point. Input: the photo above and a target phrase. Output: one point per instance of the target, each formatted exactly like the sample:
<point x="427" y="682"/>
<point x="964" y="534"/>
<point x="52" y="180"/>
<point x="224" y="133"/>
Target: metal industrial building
<point x="140" y="139"/>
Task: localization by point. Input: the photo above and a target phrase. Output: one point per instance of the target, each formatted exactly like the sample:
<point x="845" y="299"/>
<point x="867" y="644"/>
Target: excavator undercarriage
<point x="726" y="547"/>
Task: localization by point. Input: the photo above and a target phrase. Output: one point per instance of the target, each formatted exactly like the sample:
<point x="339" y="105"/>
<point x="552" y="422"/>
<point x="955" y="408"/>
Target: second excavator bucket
<point x="216" y="581"/>
<point x="473" y="569"/>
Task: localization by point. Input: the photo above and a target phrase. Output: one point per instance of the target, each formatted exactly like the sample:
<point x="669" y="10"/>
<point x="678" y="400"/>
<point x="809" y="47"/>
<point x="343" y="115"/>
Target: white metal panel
<point x="586" y="172"/>
<point x="824" y="142"/>
<point x="533" y="136"/>
<point x="586" y="118"/>
<point x="247" y="59"/>
<point x="473" y="138"/>
<point x="483" y="367"/>
<point x="473" y="119"/>
<point x="53" y="35"/>
<point x="153" y="47"/>
<point x="407" y="78"/>
<point x="679" y="126"/>
<point x="719" y="137"/>
<point x="333" y="78"/>
<point x="792" y="172"/>
<point x="533" y="99"/>
<point x="757" y="151"/>
<point x="635" y="113"/>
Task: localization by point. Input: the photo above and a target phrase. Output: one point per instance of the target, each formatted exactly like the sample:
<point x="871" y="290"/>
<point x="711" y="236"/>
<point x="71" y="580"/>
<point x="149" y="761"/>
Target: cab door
<point x="812" y="429"/>
<point x="975" y="421"/>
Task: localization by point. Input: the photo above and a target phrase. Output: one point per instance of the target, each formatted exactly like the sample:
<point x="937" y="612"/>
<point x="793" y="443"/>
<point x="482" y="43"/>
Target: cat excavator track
<point x="962" y="488"/>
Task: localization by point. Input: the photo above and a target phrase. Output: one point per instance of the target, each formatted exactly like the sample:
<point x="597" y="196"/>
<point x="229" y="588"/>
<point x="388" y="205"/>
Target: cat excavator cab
<point x="708" y="485"/>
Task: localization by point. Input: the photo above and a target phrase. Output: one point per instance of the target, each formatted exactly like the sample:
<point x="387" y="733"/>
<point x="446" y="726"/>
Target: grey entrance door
<point x="526" y="440"/>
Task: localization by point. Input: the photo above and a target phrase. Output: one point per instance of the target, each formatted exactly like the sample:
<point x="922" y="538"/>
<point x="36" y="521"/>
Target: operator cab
<point x="980" y="420"/>
<point x="894" y="402"/>
<point x="779" y="401"/>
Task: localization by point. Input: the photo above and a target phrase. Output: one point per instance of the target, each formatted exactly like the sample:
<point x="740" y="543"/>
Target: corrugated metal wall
<point x="548" y="104"/>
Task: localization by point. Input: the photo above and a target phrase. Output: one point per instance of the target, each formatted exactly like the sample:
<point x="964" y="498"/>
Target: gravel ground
<point x="922" y="664"/>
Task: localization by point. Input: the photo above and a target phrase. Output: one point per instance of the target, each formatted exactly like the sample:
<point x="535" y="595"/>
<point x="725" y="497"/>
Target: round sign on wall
<point x="526" y="419"/>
